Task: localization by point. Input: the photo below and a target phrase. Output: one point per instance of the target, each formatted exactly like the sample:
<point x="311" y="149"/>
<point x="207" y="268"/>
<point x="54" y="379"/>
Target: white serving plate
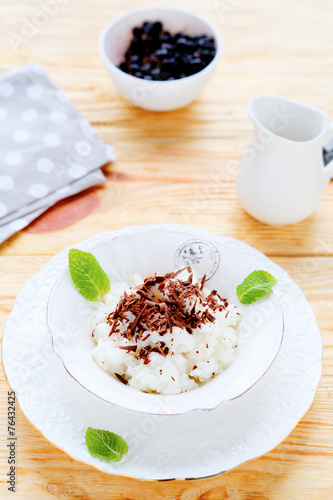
<point x="194" y="445"/>
<point x="122" y="256"/>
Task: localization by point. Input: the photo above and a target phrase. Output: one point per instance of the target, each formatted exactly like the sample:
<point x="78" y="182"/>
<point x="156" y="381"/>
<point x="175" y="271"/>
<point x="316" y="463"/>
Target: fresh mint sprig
<point x="255" y="287"/>
<point x="87" y="275"/>
<point x="105" y="444"/>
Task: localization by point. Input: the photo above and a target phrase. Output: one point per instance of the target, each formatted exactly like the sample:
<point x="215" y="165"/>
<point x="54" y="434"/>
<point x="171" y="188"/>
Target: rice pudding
<point x="164" y="334"/>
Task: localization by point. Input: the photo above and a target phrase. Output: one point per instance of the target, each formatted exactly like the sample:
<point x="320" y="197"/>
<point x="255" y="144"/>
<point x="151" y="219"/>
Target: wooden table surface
<point x="179" y="167"/>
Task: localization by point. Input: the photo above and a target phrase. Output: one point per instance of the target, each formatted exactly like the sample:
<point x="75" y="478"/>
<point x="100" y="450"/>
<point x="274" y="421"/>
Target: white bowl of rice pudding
<point x="171" y="335"/>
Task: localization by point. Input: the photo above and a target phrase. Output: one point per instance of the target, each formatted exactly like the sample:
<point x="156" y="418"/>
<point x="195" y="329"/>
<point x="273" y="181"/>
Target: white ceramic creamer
<point x="281" y="177"/>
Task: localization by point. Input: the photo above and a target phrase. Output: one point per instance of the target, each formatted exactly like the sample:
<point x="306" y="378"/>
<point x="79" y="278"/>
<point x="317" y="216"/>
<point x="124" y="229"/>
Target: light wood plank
<point x="211" y="206"/>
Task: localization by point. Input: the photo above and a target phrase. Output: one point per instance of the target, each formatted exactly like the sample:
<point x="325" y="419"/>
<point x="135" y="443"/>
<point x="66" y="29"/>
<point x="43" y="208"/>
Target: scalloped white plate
<point x="193" y="445"/>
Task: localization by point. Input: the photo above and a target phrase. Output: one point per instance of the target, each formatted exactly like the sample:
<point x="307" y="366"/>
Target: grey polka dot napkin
<point x="47" y="150"/>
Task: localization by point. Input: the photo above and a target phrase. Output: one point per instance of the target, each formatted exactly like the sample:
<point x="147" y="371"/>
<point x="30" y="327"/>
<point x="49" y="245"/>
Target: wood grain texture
<point x="179" y="167"/>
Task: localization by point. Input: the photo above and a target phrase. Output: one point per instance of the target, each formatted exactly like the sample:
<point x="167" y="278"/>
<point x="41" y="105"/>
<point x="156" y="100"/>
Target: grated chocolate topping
<point x="160" y="304"/>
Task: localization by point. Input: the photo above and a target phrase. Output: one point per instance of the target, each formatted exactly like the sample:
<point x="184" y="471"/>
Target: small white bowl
<point x="156" y="95"/>
<point x="162" y="248"/>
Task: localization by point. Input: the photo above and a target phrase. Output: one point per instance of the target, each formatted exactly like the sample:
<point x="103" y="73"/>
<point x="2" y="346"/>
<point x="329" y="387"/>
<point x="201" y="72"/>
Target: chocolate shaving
<point x="128" y="348"/>
<point x="160" y="304"/>
<point x="190" y="278"/>
<point x="150" y="303"/>
<point x="209" y="316"/>
<point x="169" y="319"/>
<point x="216" y="303"/>
<point x="121" y="378"/>
<point x="178" y="272"/>
<point x="137" y="319"/>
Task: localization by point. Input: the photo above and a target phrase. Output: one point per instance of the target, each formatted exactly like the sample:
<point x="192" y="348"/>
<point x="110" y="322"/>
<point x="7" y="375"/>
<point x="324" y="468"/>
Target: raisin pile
<point x="155" y="54"/>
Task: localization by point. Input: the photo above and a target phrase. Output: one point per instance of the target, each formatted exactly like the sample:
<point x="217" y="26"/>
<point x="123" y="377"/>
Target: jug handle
<point x="328" y="169"/>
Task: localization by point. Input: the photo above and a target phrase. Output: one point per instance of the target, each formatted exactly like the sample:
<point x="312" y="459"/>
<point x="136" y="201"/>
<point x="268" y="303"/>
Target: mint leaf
<point x="105" y="444"/>
<point x="87" y="275"/>
<point x="255" y="286"/>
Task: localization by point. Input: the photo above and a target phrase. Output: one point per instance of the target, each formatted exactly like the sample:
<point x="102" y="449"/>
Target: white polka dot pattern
<point x="64" y="191"/>
<point x="76" y="171"/>
<point x="52" y="140"/>
<point x="58" y="117"/>
<point x="6" y="182"/>
<point x="35" y="92"/>
<point x="47" y="150"/>
<point x="13" y="158"/>
<point x="3" y="209"/>
<point x="45" y="165"/>
<point x="3" y="113"/>
<point x="21" y="135"/>
<point x="29" y="115"/>
<point x="84" y="148"/>
<point x="38" y="190"/>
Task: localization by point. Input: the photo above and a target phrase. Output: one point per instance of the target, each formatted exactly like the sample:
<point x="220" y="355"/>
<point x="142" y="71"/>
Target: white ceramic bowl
<point x="147" y="249"/>
<point x="156" y="95"/>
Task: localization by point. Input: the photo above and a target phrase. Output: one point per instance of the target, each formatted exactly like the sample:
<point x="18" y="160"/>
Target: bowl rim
<point x="107" y="61"/>
<point x="150" y="412"/>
